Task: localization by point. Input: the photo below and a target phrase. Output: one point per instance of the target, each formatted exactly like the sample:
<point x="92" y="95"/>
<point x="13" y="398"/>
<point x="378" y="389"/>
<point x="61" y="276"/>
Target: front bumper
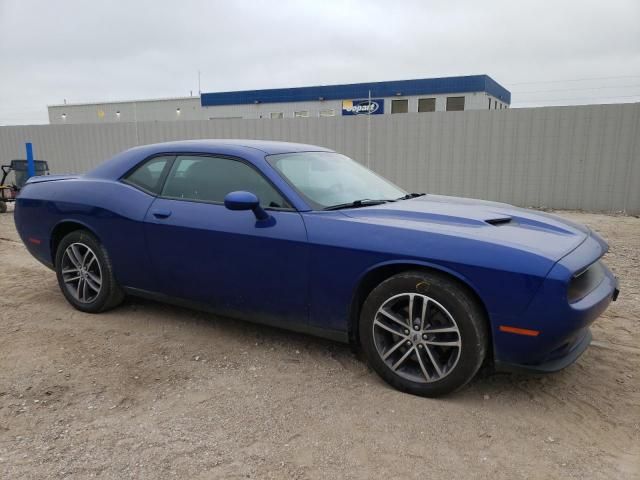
<point x="563" y="327"/>
<point x="571" y="355"/>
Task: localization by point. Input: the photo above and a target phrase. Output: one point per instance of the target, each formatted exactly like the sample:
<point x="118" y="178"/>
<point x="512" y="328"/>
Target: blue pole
<point x="31" y="166"/>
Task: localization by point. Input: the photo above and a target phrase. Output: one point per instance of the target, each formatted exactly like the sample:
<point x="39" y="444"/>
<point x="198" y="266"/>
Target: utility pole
<point x="135" y="121"/>
<point x="369" y="132"/>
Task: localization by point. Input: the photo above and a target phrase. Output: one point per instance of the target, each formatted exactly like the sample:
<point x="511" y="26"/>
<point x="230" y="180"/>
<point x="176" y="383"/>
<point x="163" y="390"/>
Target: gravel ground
<point x="154" y="391"/>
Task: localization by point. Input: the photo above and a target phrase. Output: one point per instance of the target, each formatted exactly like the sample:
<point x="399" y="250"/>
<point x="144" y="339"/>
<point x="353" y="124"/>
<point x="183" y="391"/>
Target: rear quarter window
<point x="150" y="175"/>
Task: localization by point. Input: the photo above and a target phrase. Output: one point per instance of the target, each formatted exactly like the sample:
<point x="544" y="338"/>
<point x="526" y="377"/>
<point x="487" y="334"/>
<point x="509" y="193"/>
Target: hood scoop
<point x="497" y="222"/>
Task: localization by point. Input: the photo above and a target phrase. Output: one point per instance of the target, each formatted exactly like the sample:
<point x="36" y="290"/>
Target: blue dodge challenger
<point x="428" y="287"/>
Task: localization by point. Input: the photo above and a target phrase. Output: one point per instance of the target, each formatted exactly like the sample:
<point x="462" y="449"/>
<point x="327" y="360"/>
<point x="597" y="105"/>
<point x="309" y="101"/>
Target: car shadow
<point x="486" y="384"/>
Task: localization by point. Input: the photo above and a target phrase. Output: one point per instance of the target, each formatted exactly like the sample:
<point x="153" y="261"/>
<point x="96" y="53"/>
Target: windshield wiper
<point x="365" y="202"/>
<point x="411" y="195"/>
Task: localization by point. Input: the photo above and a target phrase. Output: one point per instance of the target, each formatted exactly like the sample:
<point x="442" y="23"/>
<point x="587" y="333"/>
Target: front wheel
<point x="85" y="273"/>
<point x="423" y="333"/>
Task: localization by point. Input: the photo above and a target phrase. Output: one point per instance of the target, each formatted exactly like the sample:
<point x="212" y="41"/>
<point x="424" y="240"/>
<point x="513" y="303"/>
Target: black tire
<point x="109" y="295"/>
<point x="449" y="307"/>
<point x="3" y="207"/>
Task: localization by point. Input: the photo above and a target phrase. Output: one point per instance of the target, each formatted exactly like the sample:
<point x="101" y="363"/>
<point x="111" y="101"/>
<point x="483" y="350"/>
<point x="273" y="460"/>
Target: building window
<point x="455" y="104"/>
<point x="327" y="113"/>
<point x="495" y="104"/>
<point x="301" y="113"/>
<point x="489" y="104"/>
<point x="399" y="106"/>
<point x="426" y="104"/>
<point x="277" y="115"/>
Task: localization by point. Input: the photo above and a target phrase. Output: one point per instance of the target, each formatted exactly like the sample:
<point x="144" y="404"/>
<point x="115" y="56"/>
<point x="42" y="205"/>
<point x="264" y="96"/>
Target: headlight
<point x="585" y="281"/>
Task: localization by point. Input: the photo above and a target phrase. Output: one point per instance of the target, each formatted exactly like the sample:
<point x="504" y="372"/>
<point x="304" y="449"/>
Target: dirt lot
<point x="152" y="391"/>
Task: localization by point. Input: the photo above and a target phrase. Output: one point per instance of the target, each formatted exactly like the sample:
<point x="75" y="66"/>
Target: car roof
<point x="251" y="150"/>
<point x="269" y="147"/>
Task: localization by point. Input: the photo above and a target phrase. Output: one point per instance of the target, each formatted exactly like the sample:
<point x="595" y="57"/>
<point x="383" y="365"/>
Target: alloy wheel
<point x="417" y="337"/>
<point x="81" y="272"/>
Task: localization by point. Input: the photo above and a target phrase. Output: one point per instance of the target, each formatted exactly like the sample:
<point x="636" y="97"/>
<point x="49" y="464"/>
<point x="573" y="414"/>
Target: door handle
<point x="161" y="213"/>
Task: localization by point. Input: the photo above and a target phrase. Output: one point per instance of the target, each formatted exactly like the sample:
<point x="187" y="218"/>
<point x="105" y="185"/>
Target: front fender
<point x="504" y="278"/>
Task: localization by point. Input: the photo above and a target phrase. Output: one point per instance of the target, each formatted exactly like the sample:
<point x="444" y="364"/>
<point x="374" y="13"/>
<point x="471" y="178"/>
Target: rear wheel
<point x="3" y="207"/>
<point x="85" y="273"/>
<point x="423" y="333"/>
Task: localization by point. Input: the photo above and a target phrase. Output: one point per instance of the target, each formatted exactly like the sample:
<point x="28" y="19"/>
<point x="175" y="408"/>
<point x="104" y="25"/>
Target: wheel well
<point x="59" y="232"/>
<point x="378" y="275"/>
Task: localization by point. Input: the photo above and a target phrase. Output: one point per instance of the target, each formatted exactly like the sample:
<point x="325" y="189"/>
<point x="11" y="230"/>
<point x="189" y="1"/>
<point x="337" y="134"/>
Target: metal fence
<point x="584" y="158"/>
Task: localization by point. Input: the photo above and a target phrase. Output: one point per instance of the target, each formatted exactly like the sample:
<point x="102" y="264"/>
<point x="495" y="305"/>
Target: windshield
<point x="327" y="179"/>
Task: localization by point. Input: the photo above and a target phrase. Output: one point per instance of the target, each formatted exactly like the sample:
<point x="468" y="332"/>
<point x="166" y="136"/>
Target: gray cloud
<point x="90" y="51"/>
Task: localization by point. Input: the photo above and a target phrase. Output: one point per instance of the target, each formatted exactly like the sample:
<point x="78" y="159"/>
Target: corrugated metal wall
<point x="585" y="157"/>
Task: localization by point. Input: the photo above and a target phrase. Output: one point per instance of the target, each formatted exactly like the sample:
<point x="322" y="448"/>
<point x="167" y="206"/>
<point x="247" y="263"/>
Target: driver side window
<point x="210" y="179"/>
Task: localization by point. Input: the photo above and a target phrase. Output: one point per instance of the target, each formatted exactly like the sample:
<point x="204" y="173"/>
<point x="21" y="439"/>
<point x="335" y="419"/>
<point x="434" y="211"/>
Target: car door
<point x="238" y="265"/>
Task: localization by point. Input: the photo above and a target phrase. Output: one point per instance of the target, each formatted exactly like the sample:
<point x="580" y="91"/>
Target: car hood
<point x="499" y="223"/>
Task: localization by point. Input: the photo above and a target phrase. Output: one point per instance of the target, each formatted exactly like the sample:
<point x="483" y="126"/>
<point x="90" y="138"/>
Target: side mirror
<point x="245" y="201"/>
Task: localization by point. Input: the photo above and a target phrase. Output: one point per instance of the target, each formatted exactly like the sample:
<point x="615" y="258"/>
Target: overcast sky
<point x="545" y="52"/>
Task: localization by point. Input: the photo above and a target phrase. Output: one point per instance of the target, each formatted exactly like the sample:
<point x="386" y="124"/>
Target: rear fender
<point x="62" y="228"/>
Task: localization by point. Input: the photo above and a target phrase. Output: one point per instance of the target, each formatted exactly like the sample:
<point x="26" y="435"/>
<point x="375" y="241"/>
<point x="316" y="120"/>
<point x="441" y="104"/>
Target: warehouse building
<point x="475" y="92"/>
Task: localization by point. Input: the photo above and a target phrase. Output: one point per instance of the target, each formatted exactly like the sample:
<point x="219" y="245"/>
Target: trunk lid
<point x="49" y="178"/>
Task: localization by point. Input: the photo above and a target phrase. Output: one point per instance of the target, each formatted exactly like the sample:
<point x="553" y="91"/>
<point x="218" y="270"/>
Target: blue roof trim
<point x="426" y="86"/>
